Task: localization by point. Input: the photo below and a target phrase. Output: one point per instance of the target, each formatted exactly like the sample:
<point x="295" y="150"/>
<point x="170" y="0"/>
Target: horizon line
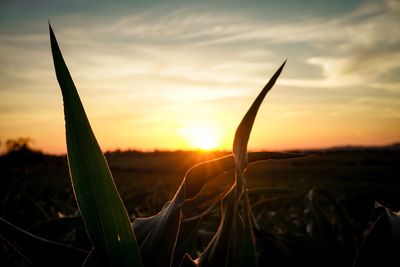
<point x="157" y="150"/>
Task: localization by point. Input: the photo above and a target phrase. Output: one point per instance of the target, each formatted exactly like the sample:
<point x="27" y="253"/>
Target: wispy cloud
<point x="197" y="57"/>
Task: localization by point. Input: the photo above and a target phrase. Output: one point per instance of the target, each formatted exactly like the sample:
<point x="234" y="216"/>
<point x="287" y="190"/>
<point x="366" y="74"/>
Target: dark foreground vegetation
<point x="314" y="210"/>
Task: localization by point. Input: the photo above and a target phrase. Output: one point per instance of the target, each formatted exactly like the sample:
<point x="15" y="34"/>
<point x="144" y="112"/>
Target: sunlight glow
<point x="201" y="136"/>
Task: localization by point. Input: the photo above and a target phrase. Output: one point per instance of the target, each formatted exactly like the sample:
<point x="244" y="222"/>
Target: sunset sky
<point x="181" y="74"/>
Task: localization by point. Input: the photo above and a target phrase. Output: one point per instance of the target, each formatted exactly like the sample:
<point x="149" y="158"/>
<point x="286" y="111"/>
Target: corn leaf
<point x="226" y="245"/>
<point x="233" y="243"/>
<point x="187" y="261"/>
<point x="248" y="256"/>
<point x="186" y="239"/>
<point x="157" y="235"/>
<point x="103" y="212"/>
<point x="243" y="131"/>
<point x="40" y="251"/>
<point x="200" y="174"/>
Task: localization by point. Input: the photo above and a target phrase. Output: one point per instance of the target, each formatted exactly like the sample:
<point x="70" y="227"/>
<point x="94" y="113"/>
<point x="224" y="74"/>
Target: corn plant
<point x="105" y="216"/>
<point x="168" y="237"/>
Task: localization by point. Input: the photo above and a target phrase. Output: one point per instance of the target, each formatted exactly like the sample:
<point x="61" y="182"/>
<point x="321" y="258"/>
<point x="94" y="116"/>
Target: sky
<point x="173" y="75"/>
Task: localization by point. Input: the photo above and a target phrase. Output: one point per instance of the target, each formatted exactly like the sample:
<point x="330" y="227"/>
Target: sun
<point x="201" y="136"/>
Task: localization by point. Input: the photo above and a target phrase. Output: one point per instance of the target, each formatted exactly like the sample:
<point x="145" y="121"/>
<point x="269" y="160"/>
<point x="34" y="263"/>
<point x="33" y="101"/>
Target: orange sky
<point x="182" y="75"/>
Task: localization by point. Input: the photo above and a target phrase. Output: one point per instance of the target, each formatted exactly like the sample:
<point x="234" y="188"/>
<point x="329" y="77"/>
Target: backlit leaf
<point x="157" y="234"/>
<point x="243" y="131"/>
<point x="103" y="212"/>
<point x="233" y="243"/>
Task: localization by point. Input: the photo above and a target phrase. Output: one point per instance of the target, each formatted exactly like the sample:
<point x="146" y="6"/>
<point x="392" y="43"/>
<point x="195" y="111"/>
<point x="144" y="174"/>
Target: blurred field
<point x="36" y="187"/>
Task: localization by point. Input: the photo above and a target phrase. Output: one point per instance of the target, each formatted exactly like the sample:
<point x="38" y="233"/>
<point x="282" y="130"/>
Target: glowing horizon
<point x="180" y="76"/>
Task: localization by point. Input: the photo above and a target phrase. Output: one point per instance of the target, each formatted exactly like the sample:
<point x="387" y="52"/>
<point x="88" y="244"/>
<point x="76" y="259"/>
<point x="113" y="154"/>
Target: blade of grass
<point x="56" y="228"/>
<point x="40" y="251"/>
<point x="103" y="212"/>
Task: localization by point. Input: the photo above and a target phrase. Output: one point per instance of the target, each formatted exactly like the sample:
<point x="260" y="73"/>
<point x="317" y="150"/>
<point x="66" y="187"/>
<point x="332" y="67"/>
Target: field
<point x="36" y="190"/>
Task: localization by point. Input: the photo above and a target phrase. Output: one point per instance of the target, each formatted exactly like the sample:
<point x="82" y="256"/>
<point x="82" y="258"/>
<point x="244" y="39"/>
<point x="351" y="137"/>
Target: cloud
<point x="353" y="49"/>
<point x="370" y="48"/>
<point x="214" y="49"/>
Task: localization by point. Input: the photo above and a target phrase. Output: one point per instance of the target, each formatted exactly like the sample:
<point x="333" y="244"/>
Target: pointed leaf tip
<point x="243" y="131"/>
<point x="102" y="209"/>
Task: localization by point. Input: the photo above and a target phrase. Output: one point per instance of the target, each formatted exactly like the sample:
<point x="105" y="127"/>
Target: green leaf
<point x="103" y="212"/>
<point x="243" y="131"/>
<point x="233" y="243"/>
<point x="248" y="254"/>
<point x="186" y="239"/>
<point x="200" y="174"/>
<point x="242" y="135"/>
<point x="40" y="251"/>
<point x="157" y="235"/>
<point x="227" y="243"/>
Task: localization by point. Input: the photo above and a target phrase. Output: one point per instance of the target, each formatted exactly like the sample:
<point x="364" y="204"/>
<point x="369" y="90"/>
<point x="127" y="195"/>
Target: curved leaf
<point x="40" y="251"/>
<point x="159" y="233"/>
<point x="233" y="243"/>
<point x="227" y="243"/>
<point x="248" y="254"/>
<point x="186" y="239"/>
<point x="103" y="212"/>
<point x="242" y="134"/>
<point x="200" y="174"/>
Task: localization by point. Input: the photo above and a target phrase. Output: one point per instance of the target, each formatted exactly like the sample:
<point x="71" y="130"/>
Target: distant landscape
<point x="36" y="188"/>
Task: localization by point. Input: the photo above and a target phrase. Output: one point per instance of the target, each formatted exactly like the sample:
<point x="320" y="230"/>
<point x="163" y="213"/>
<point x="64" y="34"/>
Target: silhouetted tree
<point x="18" y="145"/>
<point x="19" y="152"/>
